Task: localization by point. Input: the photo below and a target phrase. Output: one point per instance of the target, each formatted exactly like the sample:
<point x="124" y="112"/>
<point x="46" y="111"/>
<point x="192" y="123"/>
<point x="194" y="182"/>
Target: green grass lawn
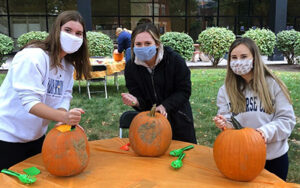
<point x="101" y="119"/>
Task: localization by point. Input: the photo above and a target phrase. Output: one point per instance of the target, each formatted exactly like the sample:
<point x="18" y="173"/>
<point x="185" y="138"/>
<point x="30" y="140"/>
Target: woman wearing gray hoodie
<point x="257" y="99"/>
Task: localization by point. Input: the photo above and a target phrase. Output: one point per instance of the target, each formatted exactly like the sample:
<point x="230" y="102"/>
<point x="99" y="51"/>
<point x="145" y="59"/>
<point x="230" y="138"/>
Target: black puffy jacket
<point x="169" y="84"/>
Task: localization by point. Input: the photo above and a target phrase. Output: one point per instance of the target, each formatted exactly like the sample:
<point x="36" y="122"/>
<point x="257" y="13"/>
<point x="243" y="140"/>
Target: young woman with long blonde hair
<point x="258" y="99"/>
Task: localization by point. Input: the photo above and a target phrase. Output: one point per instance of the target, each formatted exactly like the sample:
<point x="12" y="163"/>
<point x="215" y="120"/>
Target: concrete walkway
<point x="223" y="63"/>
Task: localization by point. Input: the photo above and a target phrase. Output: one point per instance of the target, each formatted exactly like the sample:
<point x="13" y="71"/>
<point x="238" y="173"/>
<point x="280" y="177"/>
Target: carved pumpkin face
<point x="65" y="151"/>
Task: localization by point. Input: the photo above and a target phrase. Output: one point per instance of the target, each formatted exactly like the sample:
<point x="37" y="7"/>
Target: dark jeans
<point x="279" y="166"/>
<point x="13" y="153"/>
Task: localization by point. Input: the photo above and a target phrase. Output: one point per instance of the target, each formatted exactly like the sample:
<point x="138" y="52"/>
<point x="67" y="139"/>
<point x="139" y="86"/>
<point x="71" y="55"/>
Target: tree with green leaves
<point x="99" y="44"/>
<point x="6" y="46"/>
<point x="180" y="42"/>
<point x="286" y="43"/>
<point x="31" y="36"/>
<point x="265" y="39"/>
<point x="215" y="42"/>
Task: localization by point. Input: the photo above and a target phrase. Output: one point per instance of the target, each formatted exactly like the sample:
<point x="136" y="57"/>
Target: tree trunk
<point x="216" y="62"/>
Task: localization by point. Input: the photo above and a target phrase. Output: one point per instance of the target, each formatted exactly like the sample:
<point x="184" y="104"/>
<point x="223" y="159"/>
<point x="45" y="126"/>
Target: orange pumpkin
<point x="150" y="134"/>
<point x="240" y="154"/>
<point x="65" y="151"/>
<point x="118" y="56"/>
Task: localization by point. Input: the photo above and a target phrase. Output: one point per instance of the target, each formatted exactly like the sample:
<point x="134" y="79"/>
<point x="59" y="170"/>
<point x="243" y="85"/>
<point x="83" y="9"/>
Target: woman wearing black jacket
<point x="158" y="75"/>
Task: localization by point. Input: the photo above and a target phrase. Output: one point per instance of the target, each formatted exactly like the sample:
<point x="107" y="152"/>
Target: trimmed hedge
<point x="99" y="44"/>
<point x="286" y="43"/>
<point x="6" y="46"/>
<point x="265" y="39"/>
<point x="180" y="42"/>
<point x="215" y="42"/>
<point x="30" y="36"/>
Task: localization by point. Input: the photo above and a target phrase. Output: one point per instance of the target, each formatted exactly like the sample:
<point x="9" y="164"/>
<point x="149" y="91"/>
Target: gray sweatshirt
<point x="277" y="127"/>
<point x="31" y="80"/>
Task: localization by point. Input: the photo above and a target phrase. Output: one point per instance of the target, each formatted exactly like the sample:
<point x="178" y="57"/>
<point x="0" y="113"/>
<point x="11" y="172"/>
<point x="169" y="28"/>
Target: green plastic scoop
<point x="177" y="152"/>
<point x="24" y="178"/>
<point x="178" y="163"/>
<point x="32" y="171"/>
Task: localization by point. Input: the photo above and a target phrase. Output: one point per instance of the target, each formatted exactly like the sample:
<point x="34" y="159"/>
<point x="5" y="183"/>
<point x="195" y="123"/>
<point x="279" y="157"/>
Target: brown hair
<point x="235" y="84"/>
<point x="80" y="58"/>
<point x="146" y="27"/>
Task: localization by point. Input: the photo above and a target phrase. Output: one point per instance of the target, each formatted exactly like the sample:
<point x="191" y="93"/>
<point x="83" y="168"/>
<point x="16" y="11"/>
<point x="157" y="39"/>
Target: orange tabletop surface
<point x="112" y="66"/>
<point x="109" y="166"/>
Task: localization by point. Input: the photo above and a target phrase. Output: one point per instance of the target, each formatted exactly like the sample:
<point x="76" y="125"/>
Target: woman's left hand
<point x="262" y="135"/>
<point x="161" y="109"/>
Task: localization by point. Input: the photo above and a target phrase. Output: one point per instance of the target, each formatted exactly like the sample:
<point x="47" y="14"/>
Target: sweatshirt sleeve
<point x="121" y="42"/>
<point x="29" y="69"/>
<point x="67" y="96"/>
<point x="223" y="104"/>
<point x="283" y="122"/>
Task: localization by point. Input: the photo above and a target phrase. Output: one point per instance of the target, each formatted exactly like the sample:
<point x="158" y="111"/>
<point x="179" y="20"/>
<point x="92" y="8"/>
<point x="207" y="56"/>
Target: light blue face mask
<point x="145" y="53"/>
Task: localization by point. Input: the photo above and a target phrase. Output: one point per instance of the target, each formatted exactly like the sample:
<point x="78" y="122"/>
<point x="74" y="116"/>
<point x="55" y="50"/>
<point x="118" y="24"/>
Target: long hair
<point x="146" y="27"/>
<point x="79" y="59"/>
<point x="235" y="84"/>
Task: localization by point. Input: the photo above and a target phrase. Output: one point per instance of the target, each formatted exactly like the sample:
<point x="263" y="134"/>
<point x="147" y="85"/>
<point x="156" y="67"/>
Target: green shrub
<point x="265" y="40"/>
<point x="30" y="36"/>
<point x="297" y="49"/>
<point x="180" y="42"/>
<point x="6" y="46"/>
<point x="286" y="43"/>
<point x="215" y="42"/>
<point x="99" y="44"/>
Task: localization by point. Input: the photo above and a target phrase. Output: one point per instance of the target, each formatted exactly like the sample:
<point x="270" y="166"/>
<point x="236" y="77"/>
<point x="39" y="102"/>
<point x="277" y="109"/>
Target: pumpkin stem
<point x="235" y="123"/>
<point x="73" y="127"/>
<point x="152" y="112"/>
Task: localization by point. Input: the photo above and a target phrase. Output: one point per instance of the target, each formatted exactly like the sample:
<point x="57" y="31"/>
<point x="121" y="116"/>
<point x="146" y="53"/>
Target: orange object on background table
<point x="111" y="167"/>
<point x="112" y="66"/>
<point x="118" y="56"/>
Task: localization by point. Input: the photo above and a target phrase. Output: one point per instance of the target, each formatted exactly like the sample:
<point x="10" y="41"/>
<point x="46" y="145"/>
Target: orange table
<point x="112" y="66"/>
<point x="111" y="167"/>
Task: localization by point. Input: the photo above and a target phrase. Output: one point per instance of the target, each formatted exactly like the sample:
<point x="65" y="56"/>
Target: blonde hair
<point x="235" y="84"/>
<point x="119" y="30"/>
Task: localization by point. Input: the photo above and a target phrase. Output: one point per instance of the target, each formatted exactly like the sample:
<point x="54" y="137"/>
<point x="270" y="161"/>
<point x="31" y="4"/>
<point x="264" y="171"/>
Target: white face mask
<point x="241" y="67"/>
<point x="70" y="43"/>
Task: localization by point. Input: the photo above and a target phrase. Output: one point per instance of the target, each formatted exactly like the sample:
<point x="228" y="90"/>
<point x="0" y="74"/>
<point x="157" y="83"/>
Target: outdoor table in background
<point x="112" y="68"/>
<point x="109" y="166"/>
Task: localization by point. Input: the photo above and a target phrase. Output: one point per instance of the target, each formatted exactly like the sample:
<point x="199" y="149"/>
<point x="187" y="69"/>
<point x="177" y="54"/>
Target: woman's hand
<point x="221" y="122"/>
<point x="73" y="116"/>
<point x="129" y="99"/>
<point x="262" y="135"/>
<point x="161" y="109"/>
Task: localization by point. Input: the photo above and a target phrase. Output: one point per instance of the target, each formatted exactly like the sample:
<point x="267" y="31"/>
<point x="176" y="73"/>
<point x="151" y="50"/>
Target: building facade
<point x="189" y="16"/>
